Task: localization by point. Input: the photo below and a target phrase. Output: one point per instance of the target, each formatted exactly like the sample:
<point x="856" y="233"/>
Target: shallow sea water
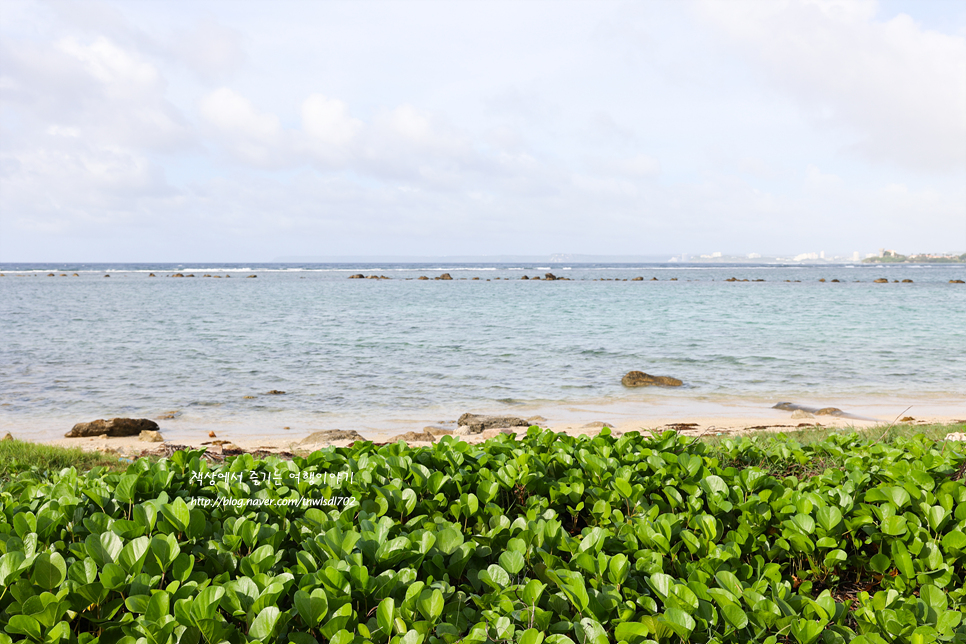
<point x="363" y="354"/>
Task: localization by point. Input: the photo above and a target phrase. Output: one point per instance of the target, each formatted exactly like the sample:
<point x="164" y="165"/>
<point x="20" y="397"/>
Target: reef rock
<point x="476" y="423"/>
<point x="331" y="435"/>
<point x="641" y="379"/>
<point x="113" y="427"/>
<point x="149" y="436"/>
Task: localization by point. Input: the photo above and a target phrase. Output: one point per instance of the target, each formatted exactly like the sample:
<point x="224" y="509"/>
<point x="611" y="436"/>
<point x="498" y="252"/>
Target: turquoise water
<point x="356" y="351"/>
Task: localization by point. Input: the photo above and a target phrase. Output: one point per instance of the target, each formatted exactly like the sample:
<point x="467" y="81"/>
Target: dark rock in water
<point x="821" y="279"/>
<point x="829" y="411"/>
<point x="535" y="277"/>
<point x="330" y="435"/>
<point x="957" y="282"/>
<point x="107" y="276"/>
<point x="787" y="406"/>
<point x="445" y="276"/>
<point x="113" y="427"/>
<point x="881" y="280"/>
<point x="422" y="277"/>
<point x="178" y="275"/>
<point x="274" y="392"/>
<point x="641" y="379"/>
<point x="549" y="277"/>
<point x="637" y="279"/>
<point x="476" y="423"/>
<point x="245" y="276"/>
<point x="50" y="275"/>
<point x="907" y="281"/>
<point x="835" y="281"/>
<point x="357" y="276"/>
<point x="152" y="275"/>
<point x="653" y="279"/>
<point x="524" y="277"/>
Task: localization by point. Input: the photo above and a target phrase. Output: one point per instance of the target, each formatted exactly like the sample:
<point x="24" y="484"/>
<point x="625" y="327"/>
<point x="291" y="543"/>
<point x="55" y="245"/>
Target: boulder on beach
<point x="149" y="436"/>
<point x="641" y="379"/>
<point x="830" y="411"/>
<point x="476" y="423"/>
<point x="112" y="427"/>
<point x="414" y="437"/>
<point x="331" y="435"/>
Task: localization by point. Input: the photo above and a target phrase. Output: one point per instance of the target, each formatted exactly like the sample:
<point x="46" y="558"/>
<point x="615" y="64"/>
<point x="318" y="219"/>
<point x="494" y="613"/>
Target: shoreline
<point x="230" y="441"/>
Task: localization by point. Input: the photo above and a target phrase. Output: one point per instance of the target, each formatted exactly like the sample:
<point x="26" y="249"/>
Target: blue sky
<point x="245" y="131"/>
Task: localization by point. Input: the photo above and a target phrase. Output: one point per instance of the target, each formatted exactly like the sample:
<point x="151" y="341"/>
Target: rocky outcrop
<point x="414" y="437"/>
<point x="149" y="436"/>
<point x="274" y="392"/>
<point x="549" y="277"/>
<point x="113" y="427"/>
<point x="469" y="424"/>
<point x="881" y="280"/>
<point x="641" y="379"/>
<point x="249" y="276"/>
<point x="830" y="411"/>
<point x="357" y="276"/>
<point x="801" y="413"/>
<point x="445" y="276"/>
<point x="422" y="277"/>
<point x="957" y="282"/>
<point x="330" y="435"/>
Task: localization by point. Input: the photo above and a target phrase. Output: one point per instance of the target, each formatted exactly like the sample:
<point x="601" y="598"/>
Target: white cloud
<point x="252" y="135"/>
<point x="898" y="87"/>
<point x="327" y="124"/>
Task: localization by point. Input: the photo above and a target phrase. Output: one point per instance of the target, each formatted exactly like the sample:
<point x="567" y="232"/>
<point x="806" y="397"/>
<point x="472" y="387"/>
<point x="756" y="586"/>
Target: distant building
<point x="754" y="256"/>
<point x="856" y="257"/>
<point x="715" y="254"/>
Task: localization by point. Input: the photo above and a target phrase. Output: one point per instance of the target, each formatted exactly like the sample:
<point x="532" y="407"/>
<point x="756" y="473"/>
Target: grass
<point x="22" y="456"/>
<point x="810" y="435"/>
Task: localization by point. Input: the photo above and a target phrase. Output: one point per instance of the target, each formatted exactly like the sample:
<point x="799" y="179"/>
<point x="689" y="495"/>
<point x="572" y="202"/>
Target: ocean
<point x="376" y="354"/>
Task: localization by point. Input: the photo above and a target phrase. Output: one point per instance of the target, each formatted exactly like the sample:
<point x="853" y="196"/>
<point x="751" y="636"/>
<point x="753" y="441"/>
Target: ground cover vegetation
<point x="543" y="539"/>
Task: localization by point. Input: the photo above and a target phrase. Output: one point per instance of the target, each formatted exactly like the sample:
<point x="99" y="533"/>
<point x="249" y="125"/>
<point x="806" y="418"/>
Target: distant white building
<point x="754" y="255"/>
<point x="804" y="256"/>
<point x="715" y="254"/>
<point x="856" y="257"/>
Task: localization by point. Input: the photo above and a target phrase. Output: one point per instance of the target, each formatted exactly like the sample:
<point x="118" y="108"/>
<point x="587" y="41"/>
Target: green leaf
<point x="205" y="605"/>
<point x="495" y="576"/>
<point x="448" y="540"/>
<point x="806" y="631"/>
<point x="632" y="632"/>
<point x="103" y="548"/>
<point x="512" y="561"/>
<point x="50" y="570"/>
<point x="24" y="625"/>
<point x="430" y="604"/>
<point x="177" y="513"/>
<point x="125" y="489"/>
<point x="131" y="558"/>
<point x="311" y="607"/>
<point x="734" y="616"/>
<point x="893" y="526"/>
<point x="531" y="636"/>
<point x="661" y="584"/>
<point x="880" y="563"/>
<point x="384" y="615"/>
<point x="264" y="625"/>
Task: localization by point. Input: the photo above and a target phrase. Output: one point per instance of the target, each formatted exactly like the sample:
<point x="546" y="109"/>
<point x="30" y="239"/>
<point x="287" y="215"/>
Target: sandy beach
<point x="229" y="442"/>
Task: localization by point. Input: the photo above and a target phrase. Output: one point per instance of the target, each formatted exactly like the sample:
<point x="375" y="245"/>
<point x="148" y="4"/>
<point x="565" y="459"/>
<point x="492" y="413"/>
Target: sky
<point x="244" y="131"/>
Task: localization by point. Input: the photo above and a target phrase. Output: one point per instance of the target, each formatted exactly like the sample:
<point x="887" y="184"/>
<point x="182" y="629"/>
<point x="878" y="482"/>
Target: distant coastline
<point x="892" y="257"/>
